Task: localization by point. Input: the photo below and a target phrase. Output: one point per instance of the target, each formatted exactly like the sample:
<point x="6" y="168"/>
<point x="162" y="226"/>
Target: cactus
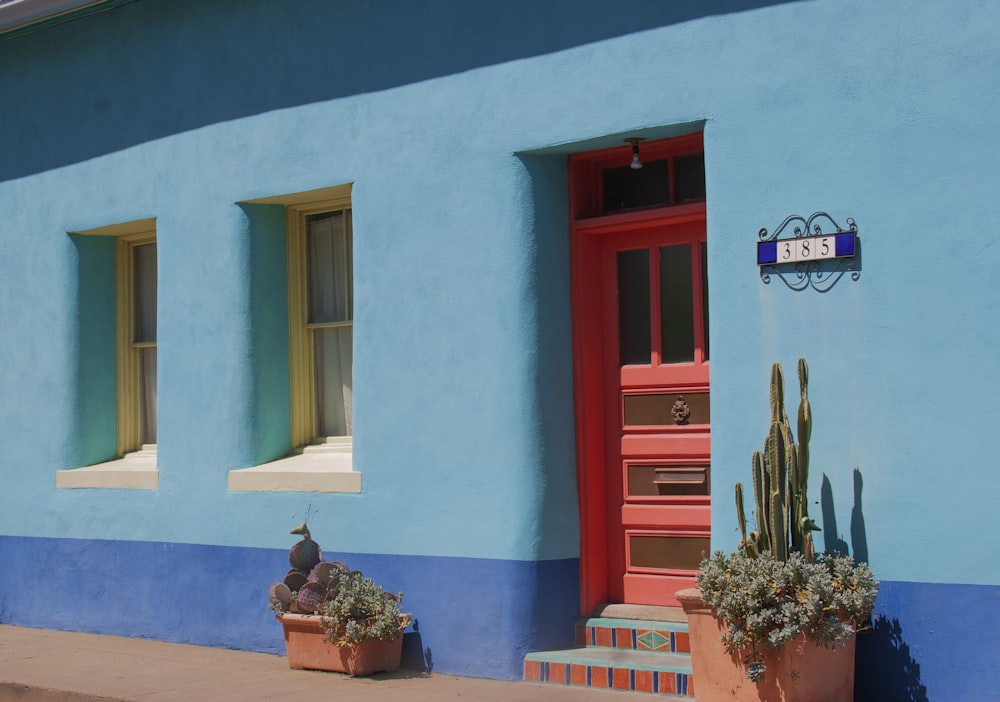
<point x="321" y="572"/>
<point x="313" y="585"/>
<point x="279" y="595"/>
<point x="295" y="579"/>
<point x="781" y="479"/>
<point x="740" y="515"/>
<point x="311" y="596"/>
<point x="311" y="582"/>
<point x="305" y="554"/>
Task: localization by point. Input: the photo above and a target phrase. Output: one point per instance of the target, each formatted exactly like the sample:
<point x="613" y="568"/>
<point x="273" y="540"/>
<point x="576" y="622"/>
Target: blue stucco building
<point x="171" y="172"/>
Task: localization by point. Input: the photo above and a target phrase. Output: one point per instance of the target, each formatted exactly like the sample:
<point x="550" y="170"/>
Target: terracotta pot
<point x="800" y="671"/>
<point x="308" y="647"/>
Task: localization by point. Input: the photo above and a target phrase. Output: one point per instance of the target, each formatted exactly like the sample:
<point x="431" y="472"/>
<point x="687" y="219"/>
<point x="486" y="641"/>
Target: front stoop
<point x="620" y="654"/>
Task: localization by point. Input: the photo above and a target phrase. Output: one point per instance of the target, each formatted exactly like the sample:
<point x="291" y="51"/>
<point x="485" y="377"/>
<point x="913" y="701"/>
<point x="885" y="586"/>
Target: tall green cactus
<point x="740" y="515"/>
<point x="781" y="479"/>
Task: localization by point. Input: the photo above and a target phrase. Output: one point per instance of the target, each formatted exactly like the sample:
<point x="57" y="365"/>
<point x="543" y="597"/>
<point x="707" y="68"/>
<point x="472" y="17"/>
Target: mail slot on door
<point x="645" y="480"/>
<point x="669" y="475"/>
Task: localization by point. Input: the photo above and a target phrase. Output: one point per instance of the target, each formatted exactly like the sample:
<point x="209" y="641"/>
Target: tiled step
<point x="639" y="635"/>
<point x="620" y="654"/>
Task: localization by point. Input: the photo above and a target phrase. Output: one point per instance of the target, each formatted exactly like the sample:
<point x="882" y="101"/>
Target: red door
<point x="657" y="410"/>
<point x="642" y="374"/>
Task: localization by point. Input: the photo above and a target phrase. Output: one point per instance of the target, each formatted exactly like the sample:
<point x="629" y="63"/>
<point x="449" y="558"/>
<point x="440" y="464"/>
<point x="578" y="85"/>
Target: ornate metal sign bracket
<point x="817" y="255"/>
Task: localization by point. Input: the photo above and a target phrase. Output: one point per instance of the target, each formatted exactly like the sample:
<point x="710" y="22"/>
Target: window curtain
<point x="333" y="353"/>
<point x="144" y="326"/>
<point x="330" y="303"/>
<point x="147" y="395"/>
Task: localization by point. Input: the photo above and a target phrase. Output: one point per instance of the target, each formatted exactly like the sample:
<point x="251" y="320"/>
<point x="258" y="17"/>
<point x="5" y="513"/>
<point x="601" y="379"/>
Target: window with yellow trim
<point x="136" y="341"/>
<point x="114" y="433"/>
<point x="317" y="234"/>
<point x="321" y="321"/>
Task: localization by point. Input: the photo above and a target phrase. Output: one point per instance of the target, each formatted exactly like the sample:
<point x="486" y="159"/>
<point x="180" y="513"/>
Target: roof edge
<point x="20" y="17"/>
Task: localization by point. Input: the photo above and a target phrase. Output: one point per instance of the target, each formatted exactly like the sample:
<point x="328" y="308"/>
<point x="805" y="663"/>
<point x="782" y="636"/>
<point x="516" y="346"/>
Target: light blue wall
<point x="452" y="120"/>
<point x="885" y="117"/>
<point x="441" y="373"/>
<point x="92" y="435"/>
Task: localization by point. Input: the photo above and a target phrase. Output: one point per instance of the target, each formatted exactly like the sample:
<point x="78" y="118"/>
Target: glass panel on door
<point x="633" y="307"/>
<point x="676" y="304"/>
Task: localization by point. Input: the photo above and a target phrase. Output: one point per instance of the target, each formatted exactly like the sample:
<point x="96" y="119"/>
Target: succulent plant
<point x="353" y="608"/>
<point x="774" y="588"/>
<point x="363" y="611"/>
<point x="767" y="603"/>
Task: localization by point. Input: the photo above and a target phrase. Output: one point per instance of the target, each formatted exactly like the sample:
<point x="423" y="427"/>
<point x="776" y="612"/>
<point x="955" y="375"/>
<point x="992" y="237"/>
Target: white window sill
<point x="326" y="467"/>
<point x="134" y="471"/>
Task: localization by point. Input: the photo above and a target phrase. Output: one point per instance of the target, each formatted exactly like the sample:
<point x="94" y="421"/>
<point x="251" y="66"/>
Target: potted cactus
<point x="334" y="618"/>
<point x="774" y="620"/>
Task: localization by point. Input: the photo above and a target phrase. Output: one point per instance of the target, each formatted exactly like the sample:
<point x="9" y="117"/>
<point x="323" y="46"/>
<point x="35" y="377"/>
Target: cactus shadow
<point x="859" y="536"/>
<point x="833" y="542"/>
<point x="831" y="537"/>
<point x="416" y="657"/>
<point x="884" y="669"/>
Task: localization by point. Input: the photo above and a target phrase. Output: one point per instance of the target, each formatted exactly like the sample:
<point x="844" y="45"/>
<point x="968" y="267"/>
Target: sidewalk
<point x="40" y="665"/>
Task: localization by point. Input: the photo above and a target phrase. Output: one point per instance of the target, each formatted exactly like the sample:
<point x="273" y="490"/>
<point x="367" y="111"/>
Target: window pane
<point x="676" y="304"/>
<point x="144" y="292"/>
<point x="334" y="354"/>
<point x="689" y="177"/>
<point x="329" y="271"/>
<point x="147" y="395"/>
<point x="633" y="307"/>
<point x="626" y="187"/>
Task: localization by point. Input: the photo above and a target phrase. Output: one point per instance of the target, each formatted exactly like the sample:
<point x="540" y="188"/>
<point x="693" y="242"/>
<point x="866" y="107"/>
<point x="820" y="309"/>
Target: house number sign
<point x="814" y="240"/>
<point x="806" y="248"/>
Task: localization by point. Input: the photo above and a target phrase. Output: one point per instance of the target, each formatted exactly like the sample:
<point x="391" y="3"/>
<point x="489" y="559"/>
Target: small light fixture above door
<point x="634" y="141"/>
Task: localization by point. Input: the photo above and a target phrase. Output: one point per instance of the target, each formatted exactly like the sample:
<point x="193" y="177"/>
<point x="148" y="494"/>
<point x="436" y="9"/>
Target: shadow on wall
<point x="149" y="69"/>
<point x="884" y="668"/>
<point x="859" y="539"/>
<point x="415" y="655"/>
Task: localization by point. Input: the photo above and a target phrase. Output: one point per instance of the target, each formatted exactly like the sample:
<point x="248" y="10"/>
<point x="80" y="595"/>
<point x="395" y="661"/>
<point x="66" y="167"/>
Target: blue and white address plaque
<point x="801" y="249"/>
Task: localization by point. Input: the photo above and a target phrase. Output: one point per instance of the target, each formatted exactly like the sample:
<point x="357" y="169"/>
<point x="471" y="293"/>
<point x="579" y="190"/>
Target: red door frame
<point x="588" y="228"/>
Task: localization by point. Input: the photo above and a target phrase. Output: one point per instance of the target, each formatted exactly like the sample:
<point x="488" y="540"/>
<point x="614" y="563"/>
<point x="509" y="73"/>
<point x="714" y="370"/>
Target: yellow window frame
<point x="128" y="381"/>
<point x="301" y="361"/>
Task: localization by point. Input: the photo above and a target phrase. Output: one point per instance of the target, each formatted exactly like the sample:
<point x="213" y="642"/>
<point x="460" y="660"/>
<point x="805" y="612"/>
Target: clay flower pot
<point x="800" y="671"/>
<point x="308" y="647"/>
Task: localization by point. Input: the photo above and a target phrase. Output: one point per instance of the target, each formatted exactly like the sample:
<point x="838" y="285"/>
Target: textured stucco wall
<point x="453" y="120"/>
